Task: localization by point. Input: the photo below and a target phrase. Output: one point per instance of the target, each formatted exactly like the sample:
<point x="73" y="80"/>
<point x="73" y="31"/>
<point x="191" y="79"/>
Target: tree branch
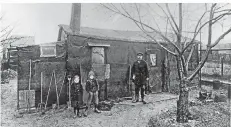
<point x="147" y="26"/>
<point x="221" y="37"/>
<point x="201" y="64"/>
<point x="211" y="14"/>
<point x="222" y="11"/>
<point x="175" y="31"/>
<point x="172" y="17"/>
<point x="173" y="28"/>
<point x="180" y="25"/>
<point x="189" y="56"/>
<point x="196" y="32"/>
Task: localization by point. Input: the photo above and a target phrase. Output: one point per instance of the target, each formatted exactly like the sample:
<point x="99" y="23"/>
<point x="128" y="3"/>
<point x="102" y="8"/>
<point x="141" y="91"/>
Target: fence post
<point x="29" y="87"/>
<point x="229" y="90"/>
<point x="222" y="66"/>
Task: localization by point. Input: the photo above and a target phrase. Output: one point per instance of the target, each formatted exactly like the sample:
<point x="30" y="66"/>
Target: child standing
<point x="76" y="95"/>
<point x="92" y="87"/>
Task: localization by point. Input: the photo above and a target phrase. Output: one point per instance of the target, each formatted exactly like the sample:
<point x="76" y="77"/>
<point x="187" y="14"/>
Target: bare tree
<point x="215" y="14"/>
<point x="6" y="37"/>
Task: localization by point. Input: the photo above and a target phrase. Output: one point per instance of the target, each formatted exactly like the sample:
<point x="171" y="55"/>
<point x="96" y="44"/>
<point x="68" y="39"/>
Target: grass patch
<point x="204" y="115"/>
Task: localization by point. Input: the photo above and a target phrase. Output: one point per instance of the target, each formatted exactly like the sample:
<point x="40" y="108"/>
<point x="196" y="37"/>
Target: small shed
<point x="110" y="53"/>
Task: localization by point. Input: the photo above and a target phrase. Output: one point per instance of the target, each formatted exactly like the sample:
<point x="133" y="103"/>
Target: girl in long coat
<point x="76" y="95"/>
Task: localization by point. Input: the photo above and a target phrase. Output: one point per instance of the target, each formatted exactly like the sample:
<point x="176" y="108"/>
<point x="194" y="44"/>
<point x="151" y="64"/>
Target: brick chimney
<point x="75" y="17"/>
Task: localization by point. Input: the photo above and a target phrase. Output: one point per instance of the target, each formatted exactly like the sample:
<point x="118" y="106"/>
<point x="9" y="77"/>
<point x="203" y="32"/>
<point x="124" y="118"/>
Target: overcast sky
<point x="42" y="20"/>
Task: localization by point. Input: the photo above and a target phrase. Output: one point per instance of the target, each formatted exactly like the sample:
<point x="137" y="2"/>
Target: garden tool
<point x="49" y="90"/>
<point x="41" y="105"/>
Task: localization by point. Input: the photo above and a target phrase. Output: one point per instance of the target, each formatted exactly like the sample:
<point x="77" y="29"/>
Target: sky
<point x="42" y="20"/>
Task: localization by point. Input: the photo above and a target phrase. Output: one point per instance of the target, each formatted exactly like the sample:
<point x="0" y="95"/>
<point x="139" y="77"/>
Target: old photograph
<point x="115" y="64"/>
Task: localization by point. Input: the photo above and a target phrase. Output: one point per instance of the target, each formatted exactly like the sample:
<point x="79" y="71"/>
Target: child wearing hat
<point x="92" y="87"/>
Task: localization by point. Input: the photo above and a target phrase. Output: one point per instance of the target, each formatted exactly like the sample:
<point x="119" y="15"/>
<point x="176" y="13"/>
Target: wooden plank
<point x="211" y="80"/>
<point x="24" y="96"/>
<point x="107" y="72"/>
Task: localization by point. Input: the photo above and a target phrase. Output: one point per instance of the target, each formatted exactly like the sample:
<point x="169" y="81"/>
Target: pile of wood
<point x="106" y="105"/>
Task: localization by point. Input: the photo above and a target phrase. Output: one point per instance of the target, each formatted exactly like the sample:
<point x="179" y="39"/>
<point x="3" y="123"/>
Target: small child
<point x="76" y="95"/>
<point x="92" y="87"/>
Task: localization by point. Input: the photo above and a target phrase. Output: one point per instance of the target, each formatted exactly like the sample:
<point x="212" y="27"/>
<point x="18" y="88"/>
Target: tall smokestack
<point x="75" y="17"/>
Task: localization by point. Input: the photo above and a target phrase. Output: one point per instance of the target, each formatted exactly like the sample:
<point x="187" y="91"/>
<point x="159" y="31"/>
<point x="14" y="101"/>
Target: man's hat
<point x="140" y="54"/>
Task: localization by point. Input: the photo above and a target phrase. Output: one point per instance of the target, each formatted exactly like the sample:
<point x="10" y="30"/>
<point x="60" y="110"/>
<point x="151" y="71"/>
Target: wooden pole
<point x="17" y="84"/>
<point x="62" y="83"/>
<point x="57" y="95"/>
<point x="222" y="66"/>
<point x="129" y="78"/>
<point x="41" y="104"/>
<point x="29" y="87"/>
<point x="49" y="90"/>
<point x="80" y="70"/>
<point x="200" y="59"/>
<point x="41" y="87"/>
<point x="69" y="92"/>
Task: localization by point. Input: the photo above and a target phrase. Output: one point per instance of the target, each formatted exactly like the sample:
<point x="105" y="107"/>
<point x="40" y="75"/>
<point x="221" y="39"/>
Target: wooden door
<point x="99" y="67"/>
<point x="153" y="59"/>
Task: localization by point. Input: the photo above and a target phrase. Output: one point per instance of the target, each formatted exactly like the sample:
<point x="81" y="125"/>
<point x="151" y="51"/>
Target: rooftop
<point x="22" y="41"/>
<point x="117" y="34"/>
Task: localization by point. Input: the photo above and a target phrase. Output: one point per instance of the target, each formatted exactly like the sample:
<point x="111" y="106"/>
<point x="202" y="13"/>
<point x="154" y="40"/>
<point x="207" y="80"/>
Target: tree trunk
<point x="182" y="103"/>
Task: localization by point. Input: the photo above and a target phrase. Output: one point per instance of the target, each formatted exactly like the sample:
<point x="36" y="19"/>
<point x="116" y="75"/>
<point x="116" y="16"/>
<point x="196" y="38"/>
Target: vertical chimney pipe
<point x="75" y="18"/>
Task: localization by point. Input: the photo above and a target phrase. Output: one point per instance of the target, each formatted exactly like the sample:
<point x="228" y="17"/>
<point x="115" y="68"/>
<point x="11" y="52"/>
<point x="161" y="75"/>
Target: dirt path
<point x="124" y="114"/>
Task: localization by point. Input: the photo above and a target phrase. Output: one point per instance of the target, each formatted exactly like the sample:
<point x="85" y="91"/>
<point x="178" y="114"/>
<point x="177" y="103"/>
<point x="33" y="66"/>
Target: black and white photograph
<point x="115" y="63"/>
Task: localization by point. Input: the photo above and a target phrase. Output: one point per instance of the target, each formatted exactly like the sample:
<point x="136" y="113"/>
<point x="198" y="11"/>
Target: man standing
<point x="139" y="73"/>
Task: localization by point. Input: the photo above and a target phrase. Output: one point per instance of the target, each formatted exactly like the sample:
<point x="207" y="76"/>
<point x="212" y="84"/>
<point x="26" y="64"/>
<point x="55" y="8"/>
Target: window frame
<point x="42" y="53"/>
<point x="151" y="59"/>
<point x="92" y="54"/>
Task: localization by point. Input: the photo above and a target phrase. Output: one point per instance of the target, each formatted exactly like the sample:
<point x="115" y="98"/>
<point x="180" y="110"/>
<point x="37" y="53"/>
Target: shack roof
<point x="20" y="41"/>
<point x="52" y="43"/>
<point x="135" y="36"/>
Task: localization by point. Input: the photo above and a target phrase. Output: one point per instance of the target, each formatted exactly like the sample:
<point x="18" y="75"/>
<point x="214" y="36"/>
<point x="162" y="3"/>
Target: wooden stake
<point x="49" y="90"/>
<point x="41" y="87"/>
<point x="129" y="78"/>
<point x="80" y="72"/>
<point x="17" y="82"/>
<point x="62" y="84"/>
<point x="69" y="91"/>
<point x="57" y="95"/>
<point x="29" y="87"/>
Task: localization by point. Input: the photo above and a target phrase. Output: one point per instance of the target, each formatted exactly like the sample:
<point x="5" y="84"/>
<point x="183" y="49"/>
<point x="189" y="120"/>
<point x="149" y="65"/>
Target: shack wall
<point x="41" y="64"/>
<point x="120" y="55"/>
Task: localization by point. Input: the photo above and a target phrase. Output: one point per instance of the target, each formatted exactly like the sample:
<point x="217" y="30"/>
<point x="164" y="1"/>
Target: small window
<point x="98" y="55"/>
<point x="153" y="59"/>
<point x="48" y="51"/>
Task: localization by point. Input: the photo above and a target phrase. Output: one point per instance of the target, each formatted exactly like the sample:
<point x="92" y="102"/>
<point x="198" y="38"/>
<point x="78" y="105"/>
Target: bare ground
<point x="205" y="114"/>
<point x="124" y="114"/>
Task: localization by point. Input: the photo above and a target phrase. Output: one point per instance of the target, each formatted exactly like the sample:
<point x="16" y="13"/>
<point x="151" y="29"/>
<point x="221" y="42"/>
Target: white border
<point x="115" y="1"/>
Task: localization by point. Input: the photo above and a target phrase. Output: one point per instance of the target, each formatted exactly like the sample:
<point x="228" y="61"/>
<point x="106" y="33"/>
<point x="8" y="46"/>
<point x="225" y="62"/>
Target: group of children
<point x="92" y="88"/>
